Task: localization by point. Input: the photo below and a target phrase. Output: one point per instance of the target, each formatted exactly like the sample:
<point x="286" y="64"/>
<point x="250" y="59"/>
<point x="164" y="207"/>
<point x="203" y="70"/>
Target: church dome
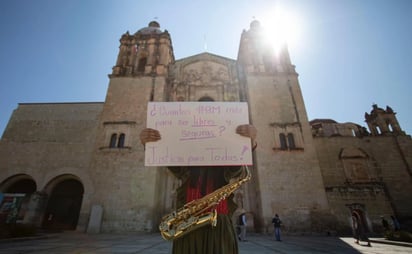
<point x="254" y="25"/>
<point x="153" y="28"/>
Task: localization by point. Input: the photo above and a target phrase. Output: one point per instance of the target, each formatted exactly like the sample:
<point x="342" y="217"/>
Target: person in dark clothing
<point x="242" y="225"/>
<point x="198" y="181"/>
<point x="359" y="231"/>
<point x="277" y="223"/>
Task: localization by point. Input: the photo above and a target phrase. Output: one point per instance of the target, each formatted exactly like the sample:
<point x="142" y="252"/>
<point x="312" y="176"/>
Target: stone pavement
<point x="81" y="243"/>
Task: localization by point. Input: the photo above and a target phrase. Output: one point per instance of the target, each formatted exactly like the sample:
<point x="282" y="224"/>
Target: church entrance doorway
<point x="63" y="206"/>
<point x="359" y="220"/>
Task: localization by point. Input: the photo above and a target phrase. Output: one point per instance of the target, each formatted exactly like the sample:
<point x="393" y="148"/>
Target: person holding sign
<point x="198" y="181"/>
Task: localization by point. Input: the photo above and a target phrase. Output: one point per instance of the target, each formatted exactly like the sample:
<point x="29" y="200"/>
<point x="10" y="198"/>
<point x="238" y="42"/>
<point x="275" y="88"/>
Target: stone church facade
<point x="81" y="165"/>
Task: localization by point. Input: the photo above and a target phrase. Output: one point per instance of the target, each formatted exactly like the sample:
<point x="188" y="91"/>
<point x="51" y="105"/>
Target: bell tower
<point x="383" y="122"/>
<point x="147" y="52"/>
<point x="139" y="76"/>
<point x="257" y="54"/>
<point x="284" y="139"/>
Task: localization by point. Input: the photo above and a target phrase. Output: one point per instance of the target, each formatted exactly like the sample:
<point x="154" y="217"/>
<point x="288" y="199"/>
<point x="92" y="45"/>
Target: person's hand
<point x="247" y="130"/>
<point x="149" y="135"/>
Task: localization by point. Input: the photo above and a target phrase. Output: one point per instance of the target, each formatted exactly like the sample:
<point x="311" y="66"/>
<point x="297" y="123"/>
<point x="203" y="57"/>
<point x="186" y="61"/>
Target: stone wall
<point x="288" y="181"/>
<point x="387" y="189"/>
<point x="48" y="140"/>
<point x="126" y="189"/>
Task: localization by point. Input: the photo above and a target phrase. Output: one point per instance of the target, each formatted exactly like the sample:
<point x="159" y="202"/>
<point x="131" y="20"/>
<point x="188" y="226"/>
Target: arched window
<point x="353" y="132"/>
<point x="142" y="64"/>
<point x="206" y="98"/>
<point x="291" y="141"/>
<point x="113" y="140"/>
<point x="378" y="130"/>
<point x="390" y="128"/>
<point x="121" y="140"/>
<point x="283" y="144"/>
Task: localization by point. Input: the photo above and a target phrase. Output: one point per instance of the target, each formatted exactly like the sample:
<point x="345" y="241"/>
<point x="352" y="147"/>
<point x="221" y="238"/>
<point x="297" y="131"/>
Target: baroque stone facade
<point x="81" y="165"/>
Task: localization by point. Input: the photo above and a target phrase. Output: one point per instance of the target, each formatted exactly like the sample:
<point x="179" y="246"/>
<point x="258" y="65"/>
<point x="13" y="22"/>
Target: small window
<point x="291" y="141"/>
<point x="378" y="130"/>
<point x="353" y="132"/>
<point x="283" y="144"/>
<point x="121" y="140"/>
<point x="113" y="140"/>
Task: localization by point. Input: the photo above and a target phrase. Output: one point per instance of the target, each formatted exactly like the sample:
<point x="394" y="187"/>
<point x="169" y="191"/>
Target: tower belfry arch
<point x="146" y="52"/>
<point x="383" y="121"/>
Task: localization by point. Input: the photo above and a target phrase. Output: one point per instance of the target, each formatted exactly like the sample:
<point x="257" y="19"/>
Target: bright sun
<point x="280" y="28"/>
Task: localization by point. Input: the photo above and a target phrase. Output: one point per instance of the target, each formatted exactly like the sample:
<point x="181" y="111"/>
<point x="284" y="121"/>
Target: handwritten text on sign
<point x="198" y="133"/>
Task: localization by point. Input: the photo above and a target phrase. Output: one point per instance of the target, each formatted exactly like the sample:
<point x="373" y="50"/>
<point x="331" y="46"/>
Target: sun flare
<point x="280" y="28"/>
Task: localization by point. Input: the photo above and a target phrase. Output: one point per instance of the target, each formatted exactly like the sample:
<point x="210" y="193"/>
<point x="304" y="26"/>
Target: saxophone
<point x="198" y="213"/>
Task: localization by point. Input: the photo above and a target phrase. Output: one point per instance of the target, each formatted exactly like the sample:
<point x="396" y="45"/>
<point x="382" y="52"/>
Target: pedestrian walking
<point x="359" y="230"/>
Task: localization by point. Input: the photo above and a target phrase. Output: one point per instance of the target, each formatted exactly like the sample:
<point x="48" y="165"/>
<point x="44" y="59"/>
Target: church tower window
<point x="117" y="140"/>
<point x="291" y="141"/>
<point x="113" y="140"/>
<point x="390" y="127"/>
<point x="378" y="130"/>
<point x="283" y="143"/>
<point x="288" y="142"/>
<point x="122" y="137"/>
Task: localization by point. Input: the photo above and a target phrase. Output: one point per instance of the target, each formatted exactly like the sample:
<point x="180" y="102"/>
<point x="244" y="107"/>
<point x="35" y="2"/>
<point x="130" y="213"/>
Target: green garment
<point x="207" y="239"/>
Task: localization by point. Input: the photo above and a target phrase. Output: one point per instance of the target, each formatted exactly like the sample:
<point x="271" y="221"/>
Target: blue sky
<point x="349" y="54"/>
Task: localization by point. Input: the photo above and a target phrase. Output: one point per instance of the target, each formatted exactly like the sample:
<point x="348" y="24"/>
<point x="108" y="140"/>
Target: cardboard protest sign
<point x="198" y="133"/>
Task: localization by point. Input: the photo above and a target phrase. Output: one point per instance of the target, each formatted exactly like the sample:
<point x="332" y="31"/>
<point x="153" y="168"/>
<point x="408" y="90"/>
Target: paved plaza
<point x="81" y="243"/>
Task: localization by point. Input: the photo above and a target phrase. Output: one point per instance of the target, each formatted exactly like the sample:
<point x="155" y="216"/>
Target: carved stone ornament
<point x="206" y="75"/>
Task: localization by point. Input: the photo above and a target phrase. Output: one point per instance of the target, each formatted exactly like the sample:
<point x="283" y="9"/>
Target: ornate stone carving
<point x="205" y="75"/>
